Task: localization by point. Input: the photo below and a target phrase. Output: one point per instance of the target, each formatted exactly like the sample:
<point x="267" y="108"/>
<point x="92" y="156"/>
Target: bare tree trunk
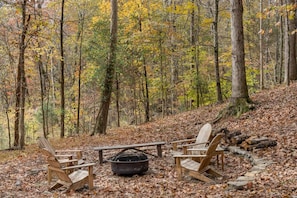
<point x="174" y="61"/>
<point x="42" y="77"/>
<point x="118" y="99"/>
<point x="163" y="103"/>
<point x="216" y="52"/>
<point x="195" y="42"/>
<point x="239" y="85"/>
<point x="81" y="31"/>
<point x="287" y="46"/>
<point x="101" y="120"/>
<point x="8" y="129"/>
<point x="261" y="47"/>
<point x="146" y="95"/>
<point x="281" y="54"/>
<point x="42" y="93"/>
<point x="239" y="101"/>
<point x="7" y="118"/>
<point x="62" y="133"/>
<point x="19" y="140"/>
<point x="292" y="41"/>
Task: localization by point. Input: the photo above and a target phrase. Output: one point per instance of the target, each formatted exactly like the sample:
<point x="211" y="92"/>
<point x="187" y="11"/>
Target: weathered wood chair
<point x="74" y="180"/>
<point x="64" y="163"/>
<point x="186" y="165"/>
<point x="75" y="153"/>
<point x="199" y="146"/>
<point x="65" y="157"/>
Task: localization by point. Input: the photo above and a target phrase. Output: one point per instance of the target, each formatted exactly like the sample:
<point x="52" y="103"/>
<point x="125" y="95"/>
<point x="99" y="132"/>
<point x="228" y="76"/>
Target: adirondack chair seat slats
<point x="190" y="164"/>
<point x="78" y="175"/>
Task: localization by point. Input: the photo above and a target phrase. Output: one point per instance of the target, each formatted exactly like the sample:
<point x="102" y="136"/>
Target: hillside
<point x="275" y="116"/>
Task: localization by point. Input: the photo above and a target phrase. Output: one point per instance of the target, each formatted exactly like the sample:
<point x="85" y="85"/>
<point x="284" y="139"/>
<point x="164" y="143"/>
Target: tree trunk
<point x="80" y="38"/>
<point x="173" y="58"/>
<point x="19" y="140"/>
<point x="7" y="118"/>
<point x="118" y="99"/>
<point x="239" y="99"/>
<point x="281" y="48"/>
<point x="216" y="52"/>
<point x="292" y="41"/>
<point x="239" y="85"/>
<point x="145" y="90"/>
<point x="261" y="47"/>
<point x="163" y="100"/>
<point x="287" y="46"/>
<point x="62" y="133"/>
<point x="42" y="93"/>
<point x="101" y="120"/>
<point x="195" y="50"/>
<point x="42" y="77"/>
<point x="146" y="95"/>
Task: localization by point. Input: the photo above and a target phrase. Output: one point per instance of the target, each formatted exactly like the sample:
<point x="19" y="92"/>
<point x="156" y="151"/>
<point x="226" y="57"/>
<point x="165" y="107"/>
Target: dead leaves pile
<point x="275" y="116"/>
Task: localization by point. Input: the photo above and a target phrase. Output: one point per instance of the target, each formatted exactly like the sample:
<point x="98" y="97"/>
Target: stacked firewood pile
<point x="245" y="141"/>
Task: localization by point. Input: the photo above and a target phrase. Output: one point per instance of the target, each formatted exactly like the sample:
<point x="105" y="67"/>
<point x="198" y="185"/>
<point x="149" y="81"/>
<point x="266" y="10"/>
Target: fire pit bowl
<point x="129" y="163"/>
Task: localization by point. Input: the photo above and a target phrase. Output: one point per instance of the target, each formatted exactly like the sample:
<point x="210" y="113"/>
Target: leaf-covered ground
<point x="23" y="174"/>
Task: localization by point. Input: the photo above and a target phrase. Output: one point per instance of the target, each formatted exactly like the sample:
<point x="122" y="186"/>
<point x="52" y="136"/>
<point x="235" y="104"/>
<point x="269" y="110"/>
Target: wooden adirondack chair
<point x="199" y="146"/>
<point x="44" y="143"/>
<point x="186" y="165"/>
<point x="199" y="142"/>
<point x="73" y="181"/>
<point x="64" y="163"/>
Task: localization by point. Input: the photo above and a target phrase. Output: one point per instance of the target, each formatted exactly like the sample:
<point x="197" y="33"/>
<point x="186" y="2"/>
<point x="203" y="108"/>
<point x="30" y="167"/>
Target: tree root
<point x="236" y="107"/>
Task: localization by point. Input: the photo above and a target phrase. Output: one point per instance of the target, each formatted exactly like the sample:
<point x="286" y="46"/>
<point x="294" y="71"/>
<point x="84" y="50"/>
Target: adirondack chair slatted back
<point x="44" y="143"/>
<point x="210" y="152"/>
<point x="202" y="137"/>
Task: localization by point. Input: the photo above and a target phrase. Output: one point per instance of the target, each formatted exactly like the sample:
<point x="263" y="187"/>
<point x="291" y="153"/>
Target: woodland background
<point x="166" y="59"/>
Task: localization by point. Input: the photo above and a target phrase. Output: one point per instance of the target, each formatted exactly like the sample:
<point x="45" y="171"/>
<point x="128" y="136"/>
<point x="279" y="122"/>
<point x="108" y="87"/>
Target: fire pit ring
<point x="129" y="163"/>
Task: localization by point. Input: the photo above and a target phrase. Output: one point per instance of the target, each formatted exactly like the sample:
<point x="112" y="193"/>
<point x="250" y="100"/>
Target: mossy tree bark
<point x="102" y="117"/>
<point x="239" y="101"/>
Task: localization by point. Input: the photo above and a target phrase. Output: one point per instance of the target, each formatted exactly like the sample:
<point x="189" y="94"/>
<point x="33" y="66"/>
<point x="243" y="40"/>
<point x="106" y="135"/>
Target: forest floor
<point x="23" y="173"/>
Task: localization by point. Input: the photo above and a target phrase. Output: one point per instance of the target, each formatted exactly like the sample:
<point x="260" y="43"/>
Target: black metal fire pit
<point x="127" y="163"/>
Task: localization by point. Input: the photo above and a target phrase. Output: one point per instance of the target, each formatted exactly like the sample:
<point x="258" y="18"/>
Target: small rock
<point x="238" y="185"/>
<point x="18" y="183"/>
<point x="258" y="168"/>
<point x="245" y="178"/>
<point x="251" y="173"/>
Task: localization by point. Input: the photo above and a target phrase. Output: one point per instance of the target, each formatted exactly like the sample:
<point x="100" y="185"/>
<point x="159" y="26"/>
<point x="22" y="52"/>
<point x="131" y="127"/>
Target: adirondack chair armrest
<point x="182" y="141"/>
<point x="175" y="144"/>
<point x="77" y="151"/>
<point x="68" y="161"/>
<point x="188" y="156"/>
<point x="194" y="144"/>
<point x="68" y="150"/>
<point x="204" y="149"/>
<point x="64" y="156"/>
<point x="79" y="166"/>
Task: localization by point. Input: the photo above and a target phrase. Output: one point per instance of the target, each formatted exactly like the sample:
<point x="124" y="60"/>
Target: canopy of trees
<point x="171" y="56"/>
